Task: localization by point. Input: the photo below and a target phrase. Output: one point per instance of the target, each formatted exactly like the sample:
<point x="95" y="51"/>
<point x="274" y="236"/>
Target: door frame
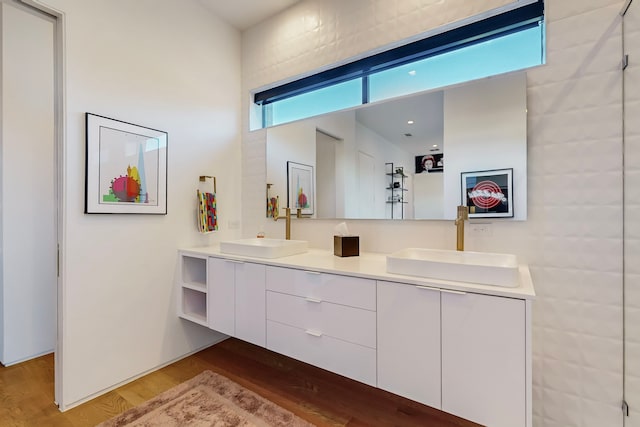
<point x="59" y="77"/>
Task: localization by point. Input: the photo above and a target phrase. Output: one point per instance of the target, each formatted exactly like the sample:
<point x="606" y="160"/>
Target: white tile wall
<point x="573" y="237"/>
<point x="632" y="212"/>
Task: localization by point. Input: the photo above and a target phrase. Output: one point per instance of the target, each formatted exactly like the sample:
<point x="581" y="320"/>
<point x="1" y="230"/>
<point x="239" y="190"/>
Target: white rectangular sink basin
<point x="264" y="248"/>
<point x="460" y="266"/>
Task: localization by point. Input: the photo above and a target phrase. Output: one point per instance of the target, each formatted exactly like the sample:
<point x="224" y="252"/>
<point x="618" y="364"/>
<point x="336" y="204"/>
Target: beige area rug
<point x="208" y="399"/>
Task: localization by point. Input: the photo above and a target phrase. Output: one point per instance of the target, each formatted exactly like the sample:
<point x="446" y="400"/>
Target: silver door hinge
<point x="625" y="61"/>
<point x="625" y="408"/>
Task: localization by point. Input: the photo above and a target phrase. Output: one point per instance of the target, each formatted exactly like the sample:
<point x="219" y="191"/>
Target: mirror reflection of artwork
<point x="300" y="187"/>
<point x="488" y="194"/>
<point x="430" y="163"/>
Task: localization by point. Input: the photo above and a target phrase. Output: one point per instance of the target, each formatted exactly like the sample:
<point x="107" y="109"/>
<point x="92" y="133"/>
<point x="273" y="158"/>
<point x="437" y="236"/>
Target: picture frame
<point x="488" y="194"/>
<point x="125" y="168"/>
<point x="430" y="163"/>
<point x="300" y="187"/>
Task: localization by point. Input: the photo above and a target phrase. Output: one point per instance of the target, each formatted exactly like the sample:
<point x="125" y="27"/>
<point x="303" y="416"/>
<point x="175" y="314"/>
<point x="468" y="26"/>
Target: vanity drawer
<point x="344" y="358"/>
<point x="351" y="291"/>
<point x="350" y="324"/>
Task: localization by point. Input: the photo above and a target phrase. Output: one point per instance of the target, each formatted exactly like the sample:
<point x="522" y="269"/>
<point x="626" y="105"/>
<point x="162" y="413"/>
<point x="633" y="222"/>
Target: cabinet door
<point x="250" y="303"/>
<point x="483" y="359"/>
<point x="409" y="341"/>
<point x="221" y="295"/>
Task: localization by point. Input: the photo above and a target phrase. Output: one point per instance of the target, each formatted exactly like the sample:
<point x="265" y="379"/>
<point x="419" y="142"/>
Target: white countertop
<point x="371" y="265"/>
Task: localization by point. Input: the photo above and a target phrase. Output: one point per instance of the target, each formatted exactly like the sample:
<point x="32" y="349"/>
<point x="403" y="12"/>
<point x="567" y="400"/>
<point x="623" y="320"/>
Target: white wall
<point x="571" y="240"/>
<point x="482" y="121"/>
<point x="28" y="282"/>
<point x="326" y="171"/>
<point x="172" y="66"/>
<point x="428" y="195"/>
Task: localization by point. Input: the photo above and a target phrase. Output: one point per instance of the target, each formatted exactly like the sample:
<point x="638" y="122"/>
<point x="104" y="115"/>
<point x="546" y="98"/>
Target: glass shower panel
<point x="631" y="99"/>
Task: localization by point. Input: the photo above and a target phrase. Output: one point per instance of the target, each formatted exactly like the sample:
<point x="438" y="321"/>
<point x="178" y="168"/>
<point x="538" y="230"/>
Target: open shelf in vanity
<point x="193" y="288"/>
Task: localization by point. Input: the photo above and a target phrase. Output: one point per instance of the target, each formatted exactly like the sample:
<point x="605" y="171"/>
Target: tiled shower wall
<point x="572" y="239"/>
<point x="632" y="211"/>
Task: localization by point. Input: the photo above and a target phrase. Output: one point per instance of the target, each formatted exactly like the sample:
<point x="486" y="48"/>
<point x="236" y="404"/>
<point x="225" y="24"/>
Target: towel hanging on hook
<point x="207" y="208"/>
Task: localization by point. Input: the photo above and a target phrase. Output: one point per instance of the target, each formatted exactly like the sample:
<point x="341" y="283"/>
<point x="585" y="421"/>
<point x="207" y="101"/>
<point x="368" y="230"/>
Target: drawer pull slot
<point x="313" y="333"/>
<point x="314" y="273"/>
<point x="449" y="291"/>
<point x="428" y="288"/>
<point x="314" y="300"/>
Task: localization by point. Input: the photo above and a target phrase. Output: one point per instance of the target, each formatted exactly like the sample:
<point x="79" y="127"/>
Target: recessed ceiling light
<point x="435" y="145"/>
<point x="412" y="72"/>
<point x="409" y="122"/>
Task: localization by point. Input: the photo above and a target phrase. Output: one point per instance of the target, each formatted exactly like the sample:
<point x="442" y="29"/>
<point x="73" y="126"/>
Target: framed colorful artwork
<point x="126" y="168"/>
<point x="300" y="187"/>
<point x="488" y="194"/>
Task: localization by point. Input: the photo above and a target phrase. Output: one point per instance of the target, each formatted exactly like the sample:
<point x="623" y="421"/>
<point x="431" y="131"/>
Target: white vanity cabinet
<point x="409" y="342"/>
<point x="463" y="348"/>
<point x="323" y="319"/>
<point x="236" y="303"/>
<point x="484" y="358"/>
<point x="464" y="353"/>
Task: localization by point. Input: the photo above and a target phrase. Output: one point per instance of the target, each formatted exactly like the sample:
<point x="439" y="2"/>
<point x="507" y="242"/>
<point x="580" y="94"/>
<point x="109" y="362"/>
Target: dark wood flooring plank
<point x="324" y="398"/>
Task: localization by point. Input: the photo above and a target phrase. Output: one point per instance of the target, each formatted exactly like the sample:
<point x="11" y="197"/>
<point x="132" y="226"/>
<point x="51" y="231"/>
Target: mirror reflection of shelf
<point x="396" y="187"/>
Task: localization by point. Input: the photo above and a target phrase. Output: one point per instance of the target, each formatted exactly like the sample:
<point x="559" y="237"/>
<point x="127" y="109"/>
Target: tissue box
<point x="346" y="245"/>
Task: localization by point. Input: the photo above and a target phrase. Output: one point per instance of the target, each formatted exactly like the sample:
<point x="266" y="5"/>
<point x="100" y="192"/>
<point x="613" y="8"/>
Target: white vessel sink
<point x="264" y="248"/>
<point x="461" y="266"/>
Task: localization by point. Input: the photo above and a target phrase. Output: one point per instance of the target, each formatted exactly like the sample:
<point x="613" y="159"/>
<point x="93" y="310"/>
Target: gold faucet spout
<point x="463" y="215"/>
<point x="287" y="217"/>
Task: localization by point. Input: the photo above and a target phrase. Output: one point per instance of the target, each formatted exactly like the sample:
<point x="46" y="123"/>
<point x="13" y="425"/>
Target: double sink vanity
<point x="451" y="330"/>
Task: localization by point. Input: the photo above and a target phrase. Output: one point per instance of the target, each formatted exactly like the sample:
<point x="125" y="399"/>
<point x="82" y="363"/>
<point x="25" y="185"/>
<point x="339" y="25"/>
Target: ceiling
<point x="244" y="14"/>
<point x="389" y="120"/>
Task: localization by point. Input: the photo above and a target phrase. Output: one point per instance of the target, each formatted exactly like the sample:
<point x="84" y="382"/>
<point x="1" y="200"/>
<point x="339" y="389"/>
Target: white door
<point x="366" y="185"/>
<point x="27" y="185"/>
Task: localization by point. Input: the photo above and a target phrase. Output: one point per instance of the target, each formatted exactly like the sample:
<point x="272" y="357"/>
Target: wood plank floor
<point x="326" y="399"/>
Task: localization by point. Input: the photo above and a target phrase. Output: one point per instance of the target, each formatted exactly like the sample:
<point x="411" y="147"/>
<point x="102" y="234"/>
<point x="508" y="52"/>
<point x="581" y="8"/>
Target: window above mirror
<point x="510" y="41"/>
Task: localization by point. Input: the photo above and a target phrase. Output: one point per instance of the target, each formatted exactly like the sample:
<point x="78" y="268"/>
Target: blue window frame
<point x="510" y="41"/>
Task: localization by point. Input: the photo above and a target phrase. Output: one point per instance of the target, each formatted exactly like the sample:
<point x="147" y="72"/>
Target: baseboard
<point x="64" y="408"/>
<point x="15" y="362"/>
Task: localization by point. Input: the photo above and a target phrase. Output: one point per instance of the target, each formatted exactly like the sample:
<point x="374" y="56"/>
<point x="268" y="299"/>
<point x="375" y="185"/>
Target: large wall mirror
<point x="403" y="158"/>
